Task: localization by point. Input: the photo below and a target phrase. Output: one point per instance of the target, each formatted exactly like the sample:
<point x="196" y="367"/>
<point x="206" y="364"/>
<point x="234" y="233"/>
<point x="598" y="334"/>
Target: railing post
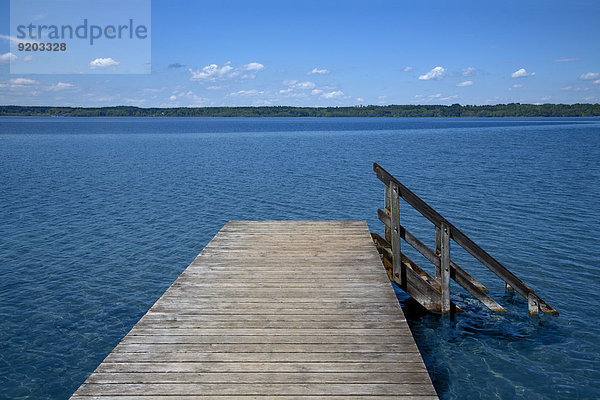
<point x="388" y="210"/>
<point x="445" y="266"/>
<point x="395" y="231"/>
<point x="533" y="305"/>
<point x="438" y="249"/>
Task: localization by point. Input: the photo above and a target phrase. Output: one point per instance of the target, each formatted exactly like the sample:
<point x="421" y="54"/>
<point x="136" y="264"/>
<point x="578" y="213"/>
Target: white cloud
<point x="62" y="86"/>
<point x="546" y="98"/>
<point x="261" y="102"/>
<point x="522" y="73"/>
<point x="189" y="99"/>
<point x="588" y="76"/>
<point x="567" y="59"/>
<point x="7" y="58"/>
<point x="16" y="40"/>
<point x="360" y="99"/>
<point x="318" y="71"/>
<point x="577" y="89"/>
<point x="407" y="69"/>
<point x="469" y="71"/>
<point x="294" y="85"/>
<point x="597" y="82"/>
<point x="22" y="81"/>
<point x="465" y="83"/>
<point x="420" y="98"/>
<point x="214" y="73"/>
<point x="332" y="95"/>
<point x="28" y="58"/>
<point x="135" y="102"/>
<point x="252" y="92"/>
<point x="253" y="66"/>
<point x="304" y="85"/>
<point x="103" y="63"/>
<point x="215" y="87"/>
<point x="454" y="96"/>
<point x="437" y="73"/>
<point x="515" y="86"/>
<point x="316" y="91"/>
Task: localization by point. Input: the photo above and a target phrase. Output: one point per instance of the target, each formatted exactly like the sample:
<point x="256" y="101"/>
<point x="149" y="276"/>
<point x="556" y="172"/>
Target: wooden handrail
<point x="459" y="237"/>
<point x="459" y="275"/>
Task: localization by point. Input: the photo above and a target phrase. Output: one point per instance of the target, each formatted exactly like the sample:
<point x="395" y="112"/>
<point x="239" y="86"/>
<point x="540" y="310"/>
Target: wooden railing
<point x="434" y="292"/>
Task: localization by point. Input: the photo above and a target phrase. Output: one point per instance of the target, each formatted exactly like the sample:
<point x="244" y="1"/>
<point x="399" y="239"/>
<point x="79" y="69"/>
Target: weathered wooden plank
<point x="266" y="324"/>
<point x="283" y="301"/>
<point x="256" y="331"/>
<point x="216" y="366"/>
<point x="403" y="337"/>
<point x="388" y="212"/>
<point x="304" y="318"/>
<point x="445" y="267"/>
<point x="280" y="389"/>
<point x="271" y="310"/>
<point x="259" y="397"/>
<point x="253" y="397"/>
<point x="216" y="277"/>
<point x="395" y="230"/>
<point x="186" y="284"/>
<point x="437" y="249"/>
<point x="290" y="302"/>
<point x="309" y="367"/>
<point x="233" y="311"/>
<point x="260" y="377"/>
<point x="258" y="345"/>
<point x="265" y="357"/>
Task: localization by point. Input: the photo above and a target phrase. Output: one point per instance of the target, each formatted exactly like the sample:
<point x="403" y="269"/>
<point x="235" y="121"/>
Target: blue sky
<point x="333" y="53"/>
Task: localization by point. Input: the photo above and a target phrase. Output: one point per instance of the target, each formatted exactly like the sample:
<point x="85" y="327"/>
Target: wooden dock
<point x="272" y="310"/>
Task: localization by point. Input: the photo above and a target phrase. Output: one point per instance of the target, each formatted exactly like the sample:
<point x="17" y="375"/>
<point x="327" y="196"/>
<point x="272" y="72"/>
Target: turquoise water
<point x="99" y="216"/>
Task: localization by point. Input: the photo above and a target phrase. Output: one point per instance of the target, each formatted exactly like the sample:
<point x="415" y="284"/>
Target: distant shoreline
<point x="393" y="111"/>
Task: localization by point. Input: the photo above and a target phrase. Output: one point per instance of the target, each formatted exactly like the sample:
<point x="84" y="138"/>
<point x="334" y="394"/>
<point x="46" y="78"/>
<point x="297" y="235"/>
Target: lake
<point x="98" y="216"/>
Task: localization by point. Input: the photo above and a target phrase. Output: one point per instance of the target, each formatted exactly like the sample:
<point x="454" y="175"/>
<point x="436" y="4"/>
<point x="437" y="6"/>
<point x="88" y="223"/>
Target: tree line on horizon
<point x="397" y="111"/>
